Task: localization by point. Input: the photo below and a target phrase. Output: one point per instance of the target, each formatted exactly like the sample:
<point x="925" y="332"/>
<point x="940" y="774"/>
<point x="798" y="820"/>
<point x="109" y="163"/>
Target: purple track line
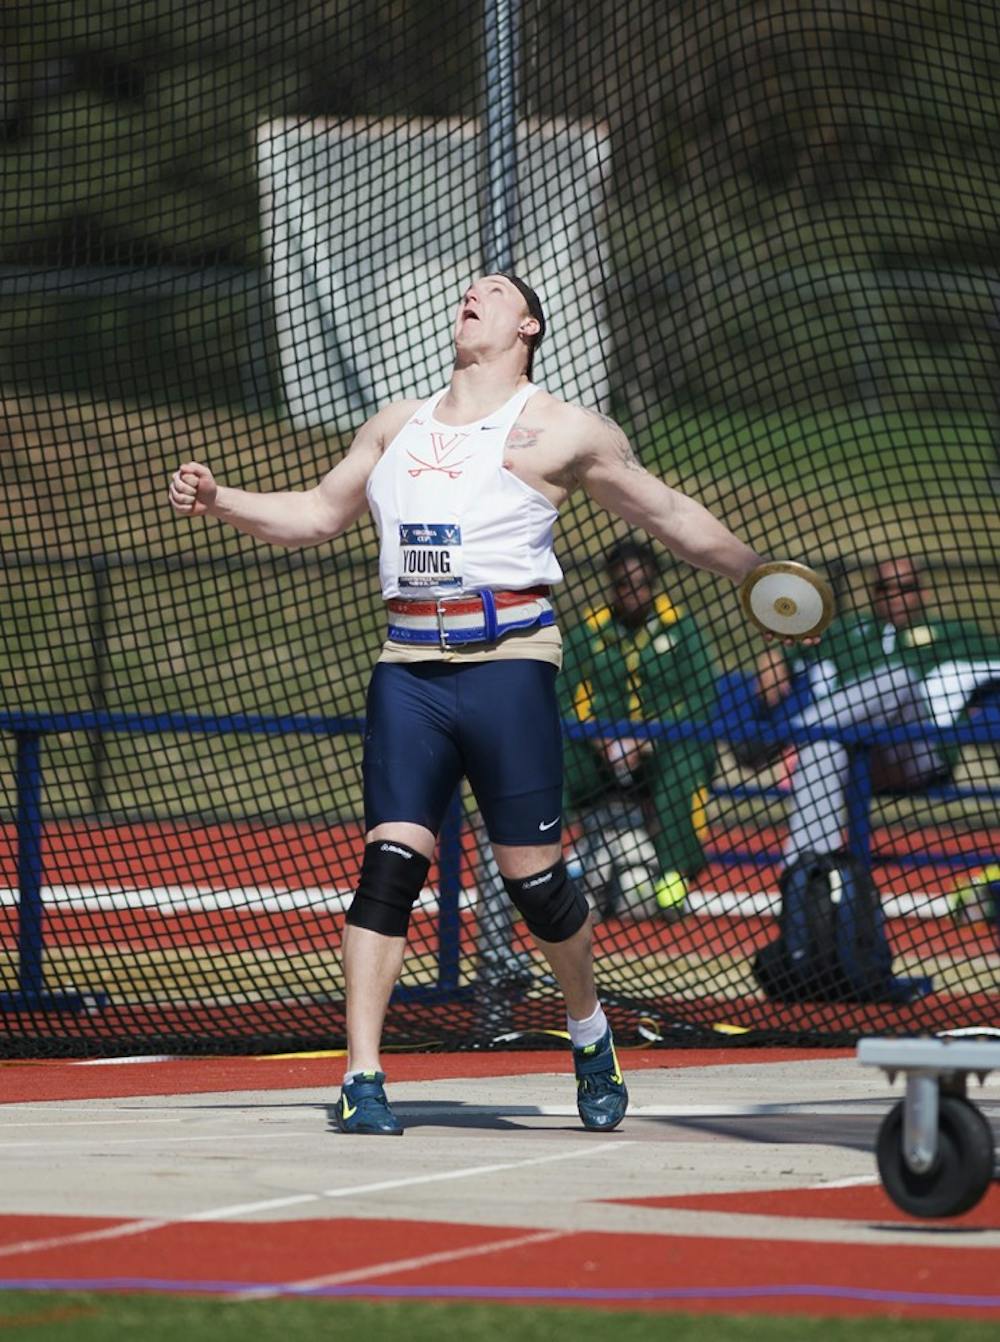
<point x="792" y="1290"/>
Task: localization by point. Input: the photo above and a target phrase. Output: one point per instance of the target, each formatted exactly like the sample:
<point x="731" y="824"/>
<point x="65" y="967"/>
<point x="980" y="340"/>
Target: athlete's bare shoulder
<point x="542" y="402"/>
<point x="380" y="429"/>
<point x="391" y="418"/>
<point x="572" y="417"/>
<point x="556" y="417"/>
<point x="592" y="435"/>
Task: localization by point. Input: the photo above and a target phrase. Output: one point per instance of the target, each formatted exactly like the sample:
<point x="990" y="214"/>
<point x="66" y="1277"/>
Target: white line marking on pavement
<point x="126" y="1105"/>
<point x="249" y="900"/>
<point x="120" y="1231"/>
<point x="411" y="1181"/>
<point x="398" y="1265"/>
<point x="123" y="1062"/>
<point x="89" y="1123"/>
<point x="72" y="1143"/>
<point x="855" y="1181"/>
<point x="858" y="1107"/>
<point x="130" y="1228"/>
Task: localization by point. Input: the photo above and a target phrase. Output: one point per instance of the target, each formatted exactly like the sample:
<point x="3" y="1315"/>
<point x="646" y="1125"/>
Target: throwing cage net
<point x="766" y="241"/>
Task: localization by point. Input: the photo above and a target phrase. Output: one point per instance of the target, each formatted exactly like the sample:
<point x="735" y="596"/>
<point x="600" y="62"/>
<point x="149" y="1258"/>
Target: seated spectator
<point x="637" y="658"/>
<point x="880" y="669"/>
<point x="754" y="709"/>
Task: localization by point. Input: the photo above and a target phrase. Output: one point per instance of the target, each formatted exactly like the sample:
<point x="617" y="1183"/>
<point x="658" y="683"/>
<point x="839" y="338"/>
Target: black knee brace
<point x="550" y="902"/>
<point x="392" y="876"/>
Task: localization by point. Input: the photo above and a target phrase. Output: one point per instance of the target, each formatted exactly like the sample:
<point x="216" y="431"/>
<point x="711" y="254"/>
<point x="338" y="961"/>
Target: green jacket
<point x="662" y="670"/>
<point x="853" y="648"/>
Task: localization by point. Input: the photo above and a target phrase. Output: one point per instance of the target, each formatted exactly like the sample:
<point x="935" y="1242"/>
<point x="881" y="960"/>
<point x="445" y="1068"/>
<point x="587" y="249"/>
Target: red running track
<point x="379" y="1258"/>
<point x="293" y="856"/>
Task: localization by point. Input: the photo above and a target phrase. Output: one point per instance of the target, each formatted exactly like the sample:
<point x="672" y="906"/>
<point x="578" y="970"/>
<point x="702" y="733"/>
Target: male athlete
<point x="465" y="489"/>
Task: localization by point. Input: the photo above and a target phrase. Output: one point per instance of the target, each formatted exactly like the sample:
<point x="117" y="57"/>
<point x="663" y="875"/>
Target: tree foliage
<point x="803" y="206"/>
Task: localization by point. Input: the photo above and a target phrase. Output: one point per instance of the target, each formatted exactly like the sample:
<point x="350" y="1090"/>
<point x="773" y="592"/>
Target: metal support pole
<point x="500" y="210"/>
<point x="447" y="988"/>
<point x="29" y="864"/>
<point x="99" y="641"/>
<point x="450" y="887"/>
<point x="920" y="1121"/>
<point x="31" y="994"/>
<point x="859" y="801"/>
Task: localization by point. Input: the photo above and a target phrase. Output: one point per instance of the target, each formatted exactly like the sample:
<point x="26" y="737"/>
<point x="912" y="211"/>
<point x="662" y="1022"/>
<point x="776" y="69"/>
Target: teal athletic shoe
<point x="363" y="1108"/>
<point x="601" y="1097"/>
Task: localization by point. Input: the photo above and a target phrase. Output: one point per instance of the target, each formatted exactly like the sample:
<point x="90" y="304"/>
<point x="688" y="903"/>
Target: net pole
<point x="501" y="67"/>
<point x="29" y="865"/>
<point x="449" y="893"/>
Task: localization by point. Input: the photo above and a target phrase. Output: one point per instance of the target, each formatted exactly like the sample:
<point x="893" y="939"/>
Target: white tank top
<point x="450" y="518"/>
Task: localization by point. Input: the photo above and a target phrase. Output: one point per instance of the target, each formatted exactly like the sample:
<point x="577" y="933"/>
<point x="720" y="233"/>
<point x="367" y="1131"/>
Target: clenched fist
<point x="192" y="489"/>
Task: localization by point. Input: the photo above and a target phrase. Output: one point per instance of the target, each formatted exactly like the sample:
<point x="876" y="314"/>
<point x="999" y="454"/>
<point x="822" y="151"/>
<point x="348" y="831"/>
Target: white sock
<point x="589" y="1031"/>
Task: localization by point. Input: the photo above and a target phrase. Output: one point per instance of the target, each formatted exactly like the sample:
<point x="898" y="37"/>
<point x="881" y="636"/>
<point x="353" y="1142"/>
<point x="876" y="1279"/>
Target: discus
<point x="787" y="599"/>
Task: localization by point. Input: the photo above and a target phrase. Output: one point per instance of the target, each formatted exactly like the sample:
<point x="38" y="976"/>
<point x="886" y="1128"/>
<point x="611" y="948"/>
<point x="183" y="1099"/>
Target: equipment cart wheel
<point x="961" y="1171"/>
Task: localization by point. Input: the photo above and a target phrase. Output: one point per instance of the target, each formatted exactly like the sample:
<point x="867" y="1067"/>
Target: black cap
<point x="534" y="310"/>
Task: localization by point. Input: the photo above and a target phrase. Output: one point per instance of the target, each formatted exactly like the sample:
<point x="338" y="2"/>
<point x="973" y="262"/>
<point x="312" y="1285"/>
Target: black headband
<point x="533" y="301"/>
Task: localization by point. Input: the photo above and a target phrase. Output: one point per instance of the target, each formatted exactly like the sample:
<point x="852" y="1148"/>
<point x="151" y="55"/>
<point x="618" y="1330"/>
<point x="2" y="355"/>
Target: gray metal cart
<point x="935" y="1148"/>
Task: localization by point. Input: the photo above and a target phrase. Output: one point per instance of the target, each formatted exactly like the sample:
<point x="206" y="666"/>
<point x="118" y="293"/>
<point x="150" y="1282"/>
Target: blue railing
<point x="30" y="730"/>
<point x="984" y="730"/>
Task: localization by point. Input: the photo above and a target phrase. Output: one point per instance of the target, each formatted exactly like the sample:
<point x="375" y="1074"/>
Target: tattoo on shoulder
<point x="521" y="436"/>
<point x="619" y="439"/>
<point x="606" y="420"/>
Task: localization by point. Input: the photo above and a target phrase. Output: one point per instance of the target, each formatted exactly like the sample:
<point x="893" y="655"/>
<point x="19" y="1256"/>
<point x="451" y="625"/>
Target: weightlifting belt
<point x="472" y="617"/>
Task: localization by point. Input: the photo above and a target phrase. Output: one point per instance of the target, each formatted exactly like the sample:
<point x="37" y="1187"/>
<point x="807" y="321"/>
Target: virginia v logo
<point x="444" y="448"/>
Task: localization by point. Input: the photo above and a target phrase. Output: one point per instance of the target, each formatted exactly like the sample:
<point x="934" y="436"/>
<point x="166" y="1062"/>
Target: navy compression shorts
<point x="496" y="723"/>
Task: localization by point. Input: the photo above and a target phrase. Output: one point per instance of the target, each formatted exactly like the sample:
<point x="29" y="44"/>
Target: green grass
<point x="92" y="1317"/>
<point x="877" y="455"/>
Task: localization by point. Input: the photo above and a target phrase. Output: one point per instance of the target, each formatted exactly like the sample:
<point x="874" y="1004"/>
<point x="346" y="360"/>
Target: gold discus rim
<point x="791" y="567"/>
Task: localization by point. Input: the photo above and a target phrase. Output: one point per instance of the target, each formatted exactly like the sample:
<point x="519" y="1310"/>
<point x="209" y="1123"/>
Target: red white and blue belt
<point x="468" y="617"/>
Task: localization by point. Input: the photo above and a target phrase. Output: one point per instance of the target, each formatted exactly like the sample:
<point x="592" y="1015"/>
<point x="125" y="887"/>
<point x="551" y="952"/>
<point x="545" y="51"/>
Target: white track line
<point x="411" y="1181"/>
<point x="124" y="1062"/>
<point x="861" y="1107"/>
<point x="73" y="1143"/>
<point x="131" y="1228"/>
<point x="167" y="899"/>
<point x="854" y="1181"/>
<point x="384" y="1269"/>
<point x="89" y="1123"/>
<point x="125" y="1105"/>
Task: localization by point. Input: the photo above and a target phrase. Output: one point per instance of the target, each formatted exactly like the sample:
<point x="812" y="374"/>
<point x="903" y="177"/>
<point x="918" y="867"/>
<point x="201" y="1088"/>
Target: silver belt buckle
<point x="441" y="610"/>
<point x="442" y="632"/>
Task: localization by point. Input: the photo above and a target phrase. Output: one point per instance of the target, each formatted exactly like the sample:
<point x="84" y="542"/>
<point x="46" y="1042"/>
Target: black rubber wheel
<point x="962" y="1170"/>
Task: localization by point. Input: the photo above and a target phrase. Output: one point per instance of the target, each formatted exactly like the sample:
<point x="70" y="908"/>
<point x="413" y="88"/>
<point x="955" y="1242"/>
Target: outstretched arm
<point x="291" y="518"/>
<point x="611" y="474"/>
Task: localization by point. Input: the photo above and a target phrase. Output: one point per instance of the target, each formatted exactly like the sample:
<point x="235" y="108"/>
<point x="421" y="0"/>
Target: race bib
<point x="430" y="555"/>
